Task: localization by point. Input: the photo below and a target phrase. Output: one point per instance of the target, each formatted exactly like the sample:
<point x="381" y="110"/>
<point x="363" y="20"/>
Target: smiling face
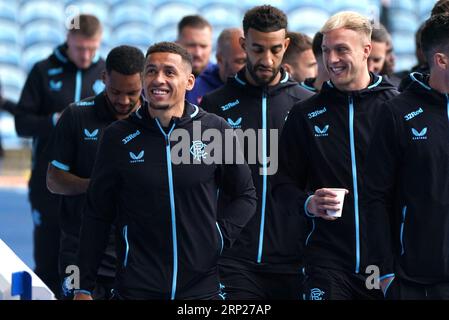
<point x="166" y="79"/>
<point x="345" y="54"/>
<point x="265" y="51"/>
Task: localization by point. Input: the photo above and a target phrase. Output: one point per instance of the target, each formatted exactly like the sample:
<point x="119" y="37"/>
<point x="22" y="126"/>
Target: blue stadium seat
<point x="425" y="7"/>
<point x="171" y="12"/>
<point x="34" y="53"/>
<point x="135" y="34"/>
<point x="405" y="61"/>
<point x="407" y="5"/>
<point x="403" y="21"/>
<point x="37" y="32"/>
<point x="403" y="42"/>
<point x="13" y="79"/>
<point x="9" y="32"/>
<point x="307" y="19"/>
<point x="127" y="12"/>
<point x="41" y="10"/>
<point x="10" y="54"/>
<point x="142" y="3"/>
<point x="248" y="4"/>
<point x="361" y="6"/>
<point x="98" y="8"/>
<point x="107" y="36"/>
<point x="324" y="5"/>
<point x="8" y="10"/>
<point x="104" y="50"/>
<point x="167" y="32"/>
<point x="222" y="13"/>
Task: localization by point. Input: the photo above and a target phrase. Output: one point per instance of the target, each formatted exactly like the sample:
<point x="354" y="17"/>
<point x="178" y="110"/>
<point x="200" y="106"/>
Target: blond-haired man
<point x="323" y="146"/>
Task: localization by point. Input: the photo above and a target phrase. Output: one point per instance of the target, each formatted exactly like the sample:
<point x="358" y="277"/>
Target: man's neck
<point x="165" y="115"/>
<point x="319" y="80"/>
<point x="437" y="82"/>
<point x="361" y="83"/>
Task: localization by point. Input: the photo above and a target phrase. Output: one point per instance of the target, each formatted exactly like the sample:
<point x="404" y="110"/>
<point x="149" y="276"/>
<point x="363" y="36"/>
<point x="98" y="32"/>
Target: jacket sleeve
<point x="99" y="212"/>
<point x="289" y="183"/>
<point x="62" y="144"/>
<point x="380" y="187"/>
<point x="29" y="118"/>
<point x="237" y="188"/>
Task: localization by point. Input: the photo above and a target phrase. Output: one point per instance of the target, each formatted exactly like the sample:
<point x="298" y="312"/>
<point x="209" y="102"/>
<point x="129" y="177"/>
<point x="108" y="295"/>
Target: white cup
<point x="340" y="197"/>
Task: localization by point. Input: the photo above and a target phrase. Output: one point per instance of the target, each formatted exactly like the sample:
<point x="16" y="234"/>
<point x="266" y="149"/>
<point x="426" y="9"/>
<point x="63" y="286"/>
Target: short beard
<point x="252" y="72"/>
<point x="160" y="108"/>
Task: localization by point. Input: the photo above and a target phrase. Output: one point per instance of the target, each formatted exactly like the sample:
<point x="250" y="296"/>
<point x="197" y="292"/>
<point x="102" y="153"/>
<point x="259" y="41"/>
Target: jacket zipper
<point x="264" y="175"/>
<point x="125" y="237"/>
<point x="78" y="85"/>
<point x="221" y="237"/>
<point x="404" y="214"/>
<point x="354" y="183"/>
<point x="172" y="207"/>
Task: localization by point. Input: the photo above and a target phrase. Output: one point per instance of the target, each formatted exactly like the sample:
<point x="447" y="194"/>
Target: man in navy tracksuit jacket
<point x="74" y="146"/>
<point x="170" y="231"/>
<point x="71" y="73"/>
<point x="324" y="145"/>
<point x="407" y="179"/>
<point x="266" y="260"/>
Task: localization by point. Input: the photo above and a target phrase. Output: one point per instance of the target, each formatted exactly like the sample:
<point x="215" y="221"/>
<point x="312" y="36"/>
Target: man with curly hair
<point x="265" y="261"/>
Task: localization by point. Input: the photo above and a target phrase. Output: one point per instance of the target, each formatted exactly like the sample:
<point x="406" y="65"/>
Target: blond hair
<point x="349" y="20"/>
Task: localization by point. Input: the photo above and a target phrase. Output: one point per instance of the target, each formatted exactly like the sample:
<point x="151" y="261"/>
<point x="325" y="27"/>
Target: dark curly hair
<point x="264" y="18"/>
<point x="440" y="7"/>
<point x="170" y="47"/>
<point x="125" y="60"/>
<point x="435" y="35"/>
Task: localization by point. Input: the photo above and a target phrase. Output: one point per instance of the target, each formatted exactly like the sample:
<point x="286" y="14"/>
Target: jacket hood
<point x="308" y="84"/>
<point x="239" y="80"/>
<point x="60" y="55"/>
<point x="420" y="83"/>
<point x="143" y="118"/>
<point x="377" y="83"/>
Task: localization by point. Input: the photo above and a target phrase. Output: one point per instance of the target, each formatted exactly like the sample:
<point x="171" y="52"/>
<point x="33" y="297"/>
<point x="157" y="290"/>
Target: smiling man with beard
<point x="73" y="149"/>
<point x="264" y="262"/>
